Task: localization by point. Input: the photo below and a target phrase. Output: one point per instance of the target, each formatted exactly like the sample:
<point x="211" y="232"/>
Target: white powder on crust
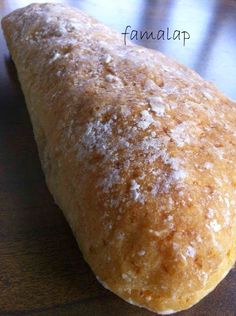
<point x="190" y="252"/>
<point x="157" y="106"/>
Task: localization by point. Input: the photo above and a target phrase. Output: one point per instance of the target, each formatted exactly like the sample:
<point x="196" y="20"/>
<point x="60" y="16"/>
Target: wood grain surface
<point x="42" y="271"/>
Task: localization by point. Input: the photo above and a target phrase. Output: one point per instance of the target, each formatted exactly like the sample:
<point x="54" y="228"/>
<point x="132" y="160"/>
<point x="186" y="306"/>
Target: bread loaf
<point x="138" y="151"/>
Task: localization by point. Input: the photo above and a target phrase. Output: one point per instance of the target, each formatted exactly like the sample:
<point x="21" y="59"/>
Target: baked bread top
<point x="138" y="150"/>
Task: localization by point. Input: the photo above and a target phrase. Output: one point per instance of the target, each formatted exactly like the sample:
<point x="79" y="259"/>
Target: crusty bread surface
<point x="138" y="151"/>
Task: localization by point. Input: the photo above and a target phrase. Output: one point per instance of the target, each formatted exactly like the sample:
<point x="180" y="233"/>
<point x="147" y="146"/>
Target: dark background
<point x="41" y="268"/>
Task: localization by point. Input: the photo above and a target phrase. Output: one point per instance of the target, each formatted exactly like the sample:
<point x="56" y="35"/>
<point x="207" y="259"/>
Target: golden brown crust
<point x="138" y="151"/>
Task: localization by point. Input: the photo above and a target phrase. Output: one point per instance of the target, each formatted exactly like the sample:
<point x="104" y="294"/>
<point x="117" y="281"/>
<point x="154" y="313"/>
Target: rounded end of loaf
<point x="169" y="305"/>
<point x="163" y="271"/>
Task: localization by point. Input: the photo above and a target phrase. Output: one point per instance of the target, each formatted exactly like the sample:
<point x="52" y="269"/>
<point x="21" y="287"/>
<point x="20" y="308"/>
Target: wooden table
<point x="42" y="271"/>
